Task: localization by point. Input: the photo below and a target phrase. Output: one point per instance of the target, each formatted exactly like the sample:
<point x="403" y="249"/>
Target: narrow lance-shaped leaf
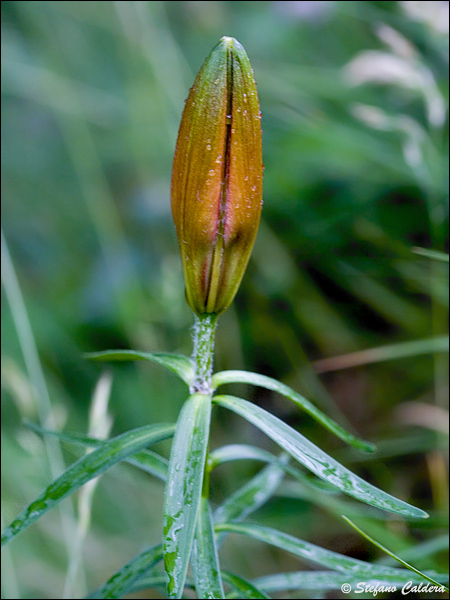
<point x="146" y="460"/>
<point x="251" y="495"/>
<point x="233" y="452"/>
<point x="244" y="589"/>
<point x="157" y="580"/>
<point x="205" y="559"/>
<point x="244" y="451"/>
<point x="85" y="469"/>
<point x="178" y="364"/>
<point x="184" y="486"/>
<point x="272" y="384"/>
<point x="124" y="580"/>
<point x="316" y="460"/>
<point x="330" y="580"/>
<point x="314" y="554"/>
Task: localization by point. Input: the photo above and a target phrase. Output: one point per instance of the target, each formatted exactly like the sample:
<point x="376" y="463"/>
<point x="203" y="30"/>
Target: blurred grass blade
<point x="244" y="589"/>
<point x="252" y="495"/>
<point x="40" y="395"/>
<point x="184" y="487"/>
<point x="422" y="550"/>
<point x="85" y="469"/>
<point x="123" y="581"/>
<point x="315" y="459"/>
<point x="382" y="353"/>
<point x="315" y="554"/>
<point x="100" y="424"/>
<point x="391" y="554"/>
<point x="272" y="384"/>
<point x="433" y="254"/>
<point x="146" y="460"/>
<point x="11" y="585"/>
<point x="205" y="559"/>
<point x="178" y="364"/>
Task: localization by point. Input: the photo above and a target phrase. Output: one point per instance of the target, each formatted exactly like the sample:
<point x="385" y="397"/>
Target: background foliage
<point x="354" y="98"/>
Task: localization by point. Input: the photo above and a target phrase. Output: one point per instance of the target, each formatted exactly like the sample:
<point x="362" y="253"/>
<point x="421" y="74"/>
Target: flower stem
<point x="203" y="355"/>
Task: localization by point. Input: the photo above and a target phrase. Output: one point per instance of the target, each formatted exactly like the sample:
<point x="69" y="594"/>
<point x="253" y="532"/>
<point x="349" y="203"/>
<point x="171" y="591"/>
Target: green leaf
<point x="316" y="460"/>
<point x="244" y="451"/>
<point x="328" y="580"/>
<point x="272" y="384"/>
<point x="124" y="580"/>
<point x="391" y="554"/>
<point x="205" y="559"/>
<point x="244" y="589"/>
<point x="252" y="495"/>
<point x="151" y="463"/>
<point x="184" y="486"/>
<point x="178" y="364"/>
<point x="238" y="452"/>
<point x="157" y="580"/>
<point x="146" y="460"/>
<point x="350" y="566"/>
<point x="85" y="469"/>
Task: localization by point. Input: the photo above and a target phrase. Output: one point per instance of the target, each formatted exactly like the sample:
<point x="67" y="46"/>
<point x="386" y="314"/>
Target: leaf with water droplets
<point x="330" y="580"/>
<point x="316" y="460"/>
<point x="85" y="469"/>
<point x="178" y="364"/>
<point x="268" y="383"/>
<point x="352" y="567"/>
<point x="205" y="559"/>
<point x="146" y="460"/>
<point x="184" y="487"/>
<point x="125" y="579"/>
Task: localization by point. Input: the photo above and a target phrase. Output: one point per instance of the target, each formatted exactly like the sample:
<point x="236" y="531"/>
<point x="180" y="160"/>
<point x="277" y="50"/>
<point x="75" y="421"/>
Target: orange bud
<point x="217" y="178"/>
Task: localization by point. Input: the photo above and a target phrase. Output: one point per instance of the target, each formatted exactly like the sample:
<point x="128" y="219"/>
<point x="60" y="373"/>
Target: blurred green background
<point x="354" y="98"/>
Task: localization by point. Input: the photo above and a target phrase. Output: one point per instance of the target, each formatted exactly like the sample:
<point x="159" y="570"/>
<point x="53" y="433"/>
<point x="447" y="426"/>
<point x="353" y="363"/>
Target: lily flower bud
<point x="217" y="178"/>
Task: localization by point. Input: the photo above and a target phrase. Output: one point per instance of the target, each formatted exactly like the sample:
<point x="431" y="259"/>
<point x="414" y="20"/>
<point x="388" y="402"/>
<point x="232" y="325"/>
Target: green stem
<point x="203" y="355"/>
<point x="203" y="358"/>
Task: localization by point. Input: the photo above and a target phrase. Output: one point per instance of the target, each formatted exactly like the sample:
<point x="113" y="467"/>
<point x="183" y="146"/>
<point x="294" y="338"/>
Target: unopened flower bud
<point x="217" y="178"/>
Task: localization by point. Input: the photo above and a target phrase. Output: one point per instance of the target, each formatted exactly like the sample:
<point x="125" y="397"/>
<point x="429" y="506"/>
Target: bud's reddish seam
<point x="217" y="178"/>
